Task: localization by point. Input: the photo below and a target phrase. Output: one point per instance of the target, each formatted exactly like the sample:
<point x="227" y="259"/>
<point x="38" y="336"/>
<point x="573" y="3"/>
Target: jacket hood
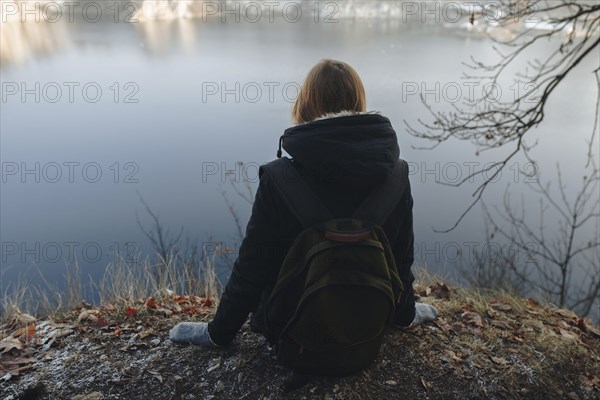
<point x="350" y="149"/>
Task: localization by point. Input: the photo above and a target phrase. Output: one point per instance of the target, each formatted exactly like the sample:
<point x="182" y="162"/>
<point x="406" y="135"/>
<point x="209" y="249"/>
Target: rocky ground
<point x="482" y="346"/>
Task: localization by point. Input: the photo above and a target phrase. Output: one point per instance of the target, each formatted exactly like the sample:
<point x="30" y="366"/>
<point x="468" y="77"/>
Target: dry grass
<point x="122" y="283"/>
<point x="490" y="333"/>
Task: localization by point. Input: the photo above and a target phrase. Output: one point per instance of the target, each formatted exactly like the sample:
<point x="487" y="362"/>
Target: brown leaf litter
<point x="490" y="346"/>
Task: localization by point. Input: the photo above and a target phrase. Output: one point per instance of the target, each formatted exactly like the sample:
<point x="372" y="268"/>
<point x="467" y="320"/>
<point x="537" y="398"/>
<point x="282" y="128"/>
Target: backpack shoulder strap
<point x="380" y="203"/>
<point x="296" y="193"/>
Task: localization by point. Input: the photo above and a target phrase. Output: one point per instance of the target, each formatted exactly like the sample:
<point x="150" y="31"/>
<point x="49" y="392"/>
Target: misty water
<point x="164" y="107"/>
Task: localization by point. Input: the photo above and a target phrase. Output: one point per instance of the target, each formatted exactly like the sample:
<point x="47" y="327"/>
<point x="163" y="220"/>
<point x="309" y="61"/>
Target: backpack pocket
<point x="337" y="329"/>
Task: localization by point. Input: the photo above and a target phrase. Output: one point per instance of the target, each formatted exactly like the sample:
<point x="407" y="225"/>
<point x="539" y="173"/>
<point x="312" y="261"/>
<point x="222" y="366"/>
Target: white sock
<point x="424" y="313"/>
<point x="191" y="332"/>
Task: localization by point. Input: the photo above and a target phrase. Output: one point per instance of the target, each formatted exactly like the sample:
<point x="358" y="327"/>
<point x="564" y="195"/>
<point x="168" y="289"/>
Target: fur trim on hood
<point x="345" y="113"/>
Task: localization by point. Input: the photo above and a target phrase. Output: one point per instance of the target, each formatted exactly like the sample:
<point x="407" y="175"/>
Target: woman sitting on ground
<point x="343" y="152"/>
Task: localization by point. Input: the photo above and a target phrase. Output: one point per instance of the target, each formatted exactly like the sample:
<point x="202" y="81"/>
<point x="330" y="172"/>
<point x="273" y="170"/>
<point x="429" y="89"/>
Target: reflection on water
<point x="167" y="9"/>
<point x="159" y="36"/>
<point x="23" y="38"/>
<point x="162" y="23"/>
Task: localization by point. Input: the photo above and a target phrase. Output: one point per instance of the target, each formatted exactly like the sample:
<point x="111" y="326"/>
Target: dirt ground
<point x="476" y="349"/>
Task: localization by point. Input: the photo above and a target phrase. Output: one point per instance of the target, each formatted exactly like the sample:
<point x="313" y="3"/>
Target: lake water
<point x="97" y="114"/>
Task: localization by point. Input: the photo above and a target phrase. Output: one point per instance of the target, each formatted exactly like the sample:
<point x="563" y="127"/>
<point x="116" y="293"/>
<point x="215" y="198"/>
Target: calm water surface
<point x="169" y="109"/>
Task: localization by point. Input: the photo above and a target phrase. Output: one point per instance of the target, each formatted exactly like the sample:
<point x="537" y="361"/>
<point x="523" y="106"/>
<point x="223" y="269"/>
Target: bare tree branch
<point x="491" y="125"/>
<point x="161" y="240"/>
<point x="554" y="261"/>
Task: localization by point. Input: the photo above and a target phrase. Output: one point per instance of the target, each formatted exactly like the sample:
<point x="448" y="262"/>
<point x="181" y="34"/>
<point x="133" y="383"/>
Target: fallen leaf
<point x="190" y="310"/>
<point x="18" y="361"/>
<point x="419" y="290"/>
<point x="9" y="343"/>
<point x="499" y="360"/>
<point x="426" y="385"/>
<point x="439" y="290"/>
<point x="88" y="315"/>
<point x="565" y="313"/>
<point x="60" y="332"/>
<point x="472" y="318"/>
<point x="25" y="318"/>
<point x="31" y="330"/>
<point x="562" y="324"/>
<point x="151" y="303"/>
<point x="491" y="313"/>
<point x="443" y="324"/>
<point x="452" y="355"/>
<point x="181" y="299"/>
<point x="164" y="311"/>
<point x="19" y="332"/>
<point x="146" y="333"/>
<point x="566" y="334"/>
<point x="100" y="322"/>
<point x="532" y="303"/>
<point x="131" y="311"/>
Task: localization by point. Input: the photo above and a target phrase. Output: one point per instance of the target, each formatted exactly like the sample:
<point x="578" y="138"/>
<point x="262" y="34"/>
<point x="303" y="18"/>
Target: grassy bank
<point x="122" y="282"/>
<point x="483" y="345"/>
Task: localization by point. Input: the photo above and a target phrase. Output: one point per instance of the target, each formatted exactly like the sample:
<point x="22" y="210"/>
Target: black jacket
<point x="341" y="158"/>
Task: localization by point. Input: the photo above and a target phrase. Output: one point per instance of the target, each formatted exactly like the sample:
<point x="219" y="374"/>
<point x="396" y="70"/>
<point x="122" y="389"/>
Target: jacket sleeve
<point x="403" y="250"/>
<point x="259" y="254"/>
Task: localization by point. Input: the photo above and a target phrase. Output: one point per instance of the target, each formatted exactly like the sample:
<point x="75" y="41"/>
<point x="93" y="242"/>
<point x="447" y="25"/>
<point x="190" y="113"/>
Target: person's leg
<point x="257" y="318"/>
<point x="255" y="324"/>
<point x="409" y="312"/>
<point x="405" y="309"/>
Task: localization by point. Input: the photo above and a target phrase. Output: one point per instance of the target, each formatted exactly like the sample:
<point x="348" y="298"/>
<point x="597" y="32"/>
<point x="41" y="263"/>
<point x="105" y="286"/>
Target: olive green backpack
<point x="338" y="285"/>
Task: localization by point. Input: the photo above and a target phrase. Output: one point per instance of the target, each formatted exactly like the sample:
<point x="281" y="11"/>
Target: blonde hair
<point x="331" y="86"/>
